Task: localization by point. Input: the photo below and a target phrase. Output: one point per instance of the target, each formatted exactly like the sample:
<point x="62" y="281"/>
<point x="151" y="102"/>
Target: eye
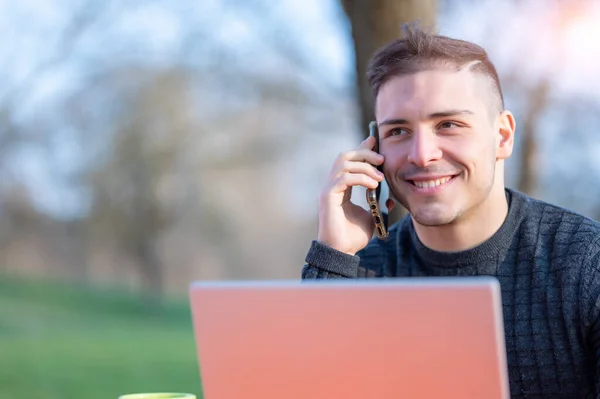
<point x="398" y="131"/>
<point x="448" y="125"/>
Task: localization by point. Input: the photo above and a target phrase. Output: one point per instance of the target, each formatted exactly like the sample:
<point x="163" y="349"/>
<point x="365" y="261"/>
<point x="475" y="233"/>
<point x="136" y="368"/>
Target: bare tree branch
<point x="88" y="13"/>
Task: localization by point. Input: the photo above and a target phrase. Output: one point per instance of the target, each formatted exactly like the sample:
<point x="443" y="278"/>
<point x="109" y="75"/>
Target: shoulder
<point x="570" y="242"/>
<point x="564" y="227"/>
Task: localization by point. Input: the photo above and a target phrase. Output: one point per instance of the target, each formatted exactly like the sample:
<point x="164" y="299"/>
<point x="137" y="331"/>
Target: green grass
<point x="59" y="341"/>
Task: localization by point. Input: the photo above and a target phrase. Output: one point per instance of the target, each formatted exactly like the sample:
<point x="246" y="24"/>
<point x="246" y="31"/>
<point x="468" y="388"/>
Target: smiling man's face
<point x="442" y="142"/>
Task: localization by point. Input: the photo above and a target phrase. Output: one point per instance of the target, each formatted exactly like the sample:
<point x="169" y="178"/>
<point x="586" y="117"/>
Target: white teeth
<point x="430" y="183"/>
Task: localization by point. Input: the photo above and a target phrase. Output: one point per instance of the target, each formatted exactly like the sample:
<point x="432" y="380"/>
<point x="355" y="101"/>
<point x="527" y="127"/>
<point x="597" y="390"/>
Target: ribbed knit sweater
<point x="547" y="260"/>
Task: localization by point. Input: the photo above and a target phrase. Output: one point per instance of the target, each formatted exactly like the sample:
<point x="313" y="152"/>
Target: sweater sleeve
<point x="324" y="262"/>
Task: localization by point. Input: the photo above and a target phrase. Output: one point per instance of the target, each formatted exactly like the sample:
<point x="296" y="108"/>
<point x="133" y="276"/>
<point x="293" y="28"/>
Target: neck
<point x="471" y="229"/>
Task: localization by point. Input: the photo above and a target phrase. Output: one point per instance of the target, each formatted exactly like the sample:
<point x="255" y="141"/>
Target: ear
<point x="505" y="135"/>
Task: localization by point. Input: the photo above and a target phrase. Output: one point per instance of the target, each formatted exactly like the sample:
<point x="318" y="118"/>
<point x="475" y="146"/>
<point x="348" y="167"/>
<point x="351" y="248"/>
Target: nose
<point x="424" y="148"/>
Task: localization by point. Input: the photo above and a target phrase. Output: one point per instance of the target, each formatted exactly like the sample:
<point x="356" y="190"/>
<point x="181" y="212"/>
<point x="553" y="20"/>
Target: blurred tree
<point x="131" y="185"/>
<point x="16" y="132"/>
<point x="537" y="103"/>
<point x="14" y="96"/>
<point x="375" y="23"/>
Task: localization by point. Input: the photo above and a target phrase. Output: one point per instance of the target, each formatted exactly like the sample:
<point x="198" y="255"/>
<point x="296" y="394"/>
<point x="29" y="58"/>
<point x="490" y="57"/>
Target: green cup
<point x="158" y="395"/>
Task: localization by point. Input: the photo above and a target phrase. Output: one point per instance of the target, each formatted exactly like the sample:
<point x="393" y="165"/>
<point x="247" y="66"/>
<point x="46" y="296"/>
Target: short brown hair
<point x="420" y="50"/>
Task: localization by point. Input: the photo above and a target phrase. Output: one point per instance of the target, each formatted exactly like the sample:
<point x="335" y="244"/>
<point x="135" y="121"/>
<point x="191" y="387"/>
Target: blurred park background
<point x="145" y="144"/>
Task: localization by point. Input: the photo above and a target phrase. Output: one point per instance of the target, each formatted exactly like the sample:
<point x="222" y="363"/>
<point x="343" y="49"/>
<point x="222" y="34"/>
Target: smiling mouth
<point x="430" y="183"/>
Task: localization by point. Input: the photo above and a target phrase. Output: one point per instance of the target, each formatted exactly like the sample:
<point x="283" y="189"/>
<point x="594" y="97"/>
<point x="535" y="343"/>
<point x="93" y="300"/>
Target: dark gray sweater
<point x="547" y="260"/>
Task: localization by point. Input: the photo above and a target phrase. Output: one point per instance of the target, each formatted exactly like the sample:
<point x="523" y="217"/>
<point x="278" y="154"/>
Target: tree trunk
<point x="375" y="23"/>
<point x="538" y="101"/>
<point x="151" y="269"/>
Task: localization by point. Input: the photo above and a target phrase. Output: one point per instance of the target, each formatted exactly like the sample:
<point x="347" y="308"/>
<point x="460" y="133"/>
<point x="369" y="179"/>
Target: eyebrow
<point x="435" y="115"/>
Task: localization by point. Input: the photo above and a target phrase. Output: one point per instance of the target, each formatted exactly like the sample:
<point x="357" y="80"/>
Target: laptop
<point x="351" y="339"/>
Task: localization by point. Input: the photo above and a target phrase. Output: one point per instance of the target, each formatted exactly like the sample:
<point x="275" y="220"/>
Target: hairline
<point x="495" y="105"/>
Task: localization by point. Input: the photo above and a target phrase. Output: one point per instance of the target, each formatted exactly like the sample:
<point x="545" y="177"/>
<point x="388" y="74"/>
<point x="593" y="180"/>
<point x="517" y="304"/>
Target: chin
<point x="433" y="217"/>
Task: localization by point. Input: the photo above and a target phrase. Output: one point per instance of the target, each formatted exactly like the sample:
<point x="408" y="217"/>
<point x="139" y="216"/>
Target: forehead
<point x="428" y="92"/>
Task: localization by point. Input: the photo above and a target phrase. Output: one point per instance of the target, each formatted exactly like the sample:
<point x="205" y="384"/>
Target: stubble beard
<point x="421" y="216"/>
<point x="446" y="217"/>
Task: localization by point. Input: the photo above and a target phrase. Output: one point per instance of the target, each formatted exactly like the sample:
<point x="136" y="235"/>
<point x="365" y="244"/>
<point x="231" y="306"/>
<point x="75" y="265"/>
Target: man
<point x="444" y="137"/>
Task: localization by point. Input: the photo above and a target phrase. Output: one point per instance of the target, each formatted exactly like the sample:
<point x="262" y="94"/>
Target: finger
<point x="367" y="143"/>
<point x="359" y="167"/>
<point x="350" y="180"/>
<point x="362" y="155"/>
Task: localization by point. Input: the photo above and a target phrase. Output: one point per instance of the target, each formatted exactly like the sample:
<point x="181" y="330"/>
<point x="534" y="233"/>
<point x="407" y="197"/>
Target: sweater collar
<point x="489" y="249"/>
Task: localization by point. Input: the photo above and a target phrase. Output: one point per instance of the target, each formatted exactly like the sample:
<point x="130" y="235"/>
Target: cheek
<point x="477" y="156"/>
<point x="393" y="159"/>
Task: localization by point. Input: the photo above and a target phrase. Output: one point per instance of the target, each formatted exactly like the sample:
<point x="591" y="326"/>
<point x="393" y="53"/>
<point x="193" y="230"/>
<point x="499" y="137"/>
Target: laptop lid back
<point x="351" y="339"/>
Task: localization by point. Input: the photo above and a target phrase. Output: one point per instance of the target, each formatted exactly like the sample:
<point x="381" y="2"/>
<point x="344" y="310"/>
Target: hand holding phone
<point x="344" y="225"/>
<point x="373" y="195"/>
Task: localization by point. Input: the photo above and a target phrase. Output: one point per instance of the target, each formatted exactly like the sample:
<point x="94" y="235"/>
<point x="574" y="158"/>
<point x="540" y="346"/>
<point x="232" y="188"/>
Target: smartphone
<point x="379" y="218"/>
